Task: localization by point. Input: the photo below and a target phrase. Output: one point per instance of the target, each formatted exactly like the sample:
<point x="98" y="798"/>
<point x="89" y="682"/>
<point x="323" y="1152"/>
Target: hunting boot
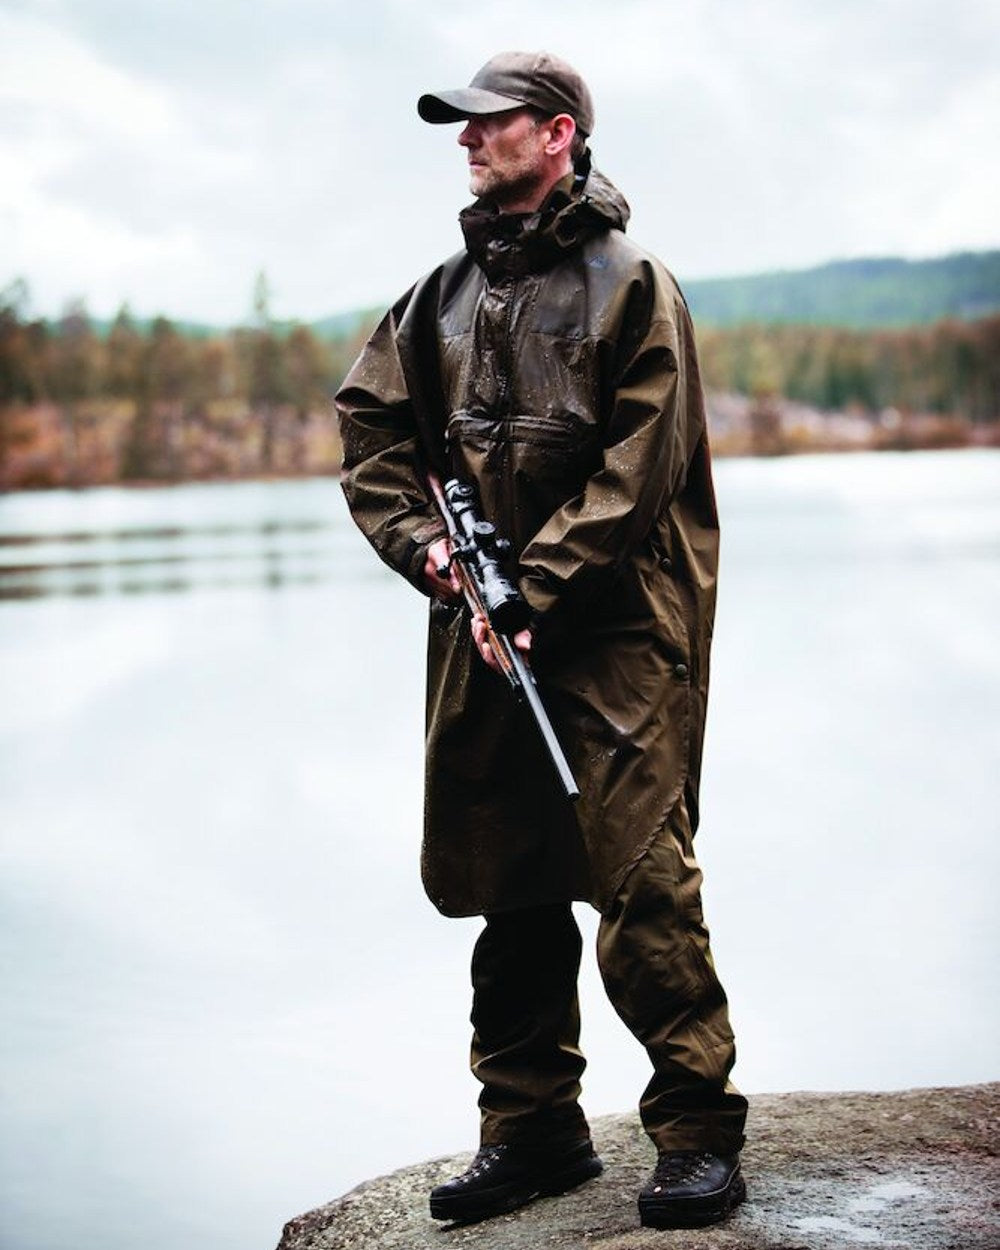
<point x="689" y="1188"/>
<point x="504" y="1177"/>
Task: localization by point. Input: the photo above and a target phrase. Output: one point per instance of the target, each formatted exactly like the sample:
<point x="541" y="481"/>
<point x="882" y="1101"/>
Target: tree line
<point x="951" y="368"/>
<point x="82" y="403"/>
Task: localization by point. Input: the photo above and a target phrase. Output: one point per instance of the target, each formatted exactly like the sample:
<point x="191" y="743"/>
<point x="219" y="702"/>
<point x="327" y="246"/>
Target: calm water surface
<point x="226" y="997"/>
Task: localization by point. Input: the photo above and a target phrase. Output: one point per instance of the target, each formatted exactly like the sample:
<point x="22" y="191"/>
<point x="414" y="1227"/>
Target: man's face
<point x="506" y="153"/>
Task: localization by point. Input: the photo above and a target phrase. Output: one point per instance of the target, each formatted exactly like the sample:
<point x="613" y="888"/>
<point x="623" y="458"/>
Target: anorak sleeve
<point x="382" y="475"/>
<point x="656" y="421"/>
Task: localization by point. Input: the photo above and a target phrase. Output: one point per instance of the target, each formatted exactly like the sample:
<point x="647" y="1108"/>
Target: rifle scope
<point x="481" y="550"/>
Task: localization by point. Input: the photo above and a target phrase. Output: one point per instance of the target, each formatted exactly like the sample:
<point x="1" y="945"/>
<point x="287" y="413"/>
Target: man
<point x="551" y="364"/>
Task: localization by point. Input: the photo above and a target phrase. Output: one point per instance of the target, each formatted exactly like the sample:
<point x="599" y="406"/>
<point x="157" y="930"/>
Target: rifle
<point x="476" y="552"/>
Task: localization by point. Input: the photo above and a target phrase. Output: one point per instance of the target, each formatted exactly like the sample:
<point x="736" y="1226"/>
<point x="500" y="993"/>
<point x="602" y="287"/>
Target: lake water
<point x="226" y="998"/>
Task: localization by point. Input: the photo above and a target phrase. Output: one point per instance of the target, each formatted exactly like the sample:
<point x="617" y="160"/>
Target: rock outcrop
<point x="918" y="1170"/>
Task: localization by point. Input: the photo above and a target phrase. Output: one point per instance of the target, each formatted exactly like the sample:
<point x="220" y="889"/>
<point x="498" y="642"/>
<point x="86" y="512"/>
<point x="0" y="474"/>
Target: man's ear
<point x="561" y="128"/>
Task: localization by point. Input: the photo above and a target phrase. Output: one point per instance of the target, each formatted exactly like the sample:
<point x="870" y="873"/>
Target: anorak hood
<point x="510" y="244"/>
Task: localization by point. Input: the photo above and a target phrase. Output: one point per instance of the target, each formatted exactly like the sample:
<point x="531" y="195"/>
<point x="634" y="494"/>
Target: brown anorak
<point x="552" y="365"/>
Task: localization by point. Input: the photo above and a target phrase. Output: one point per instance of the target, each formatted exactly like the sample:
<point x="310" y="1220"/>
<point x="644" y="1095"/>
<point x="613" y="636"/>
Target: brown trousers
<point x="654" y="957"/>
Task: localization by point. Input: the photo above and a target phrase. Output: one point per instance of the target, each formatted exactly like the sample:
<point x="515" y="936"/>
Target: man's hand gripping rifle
<point x="476" y="553"/>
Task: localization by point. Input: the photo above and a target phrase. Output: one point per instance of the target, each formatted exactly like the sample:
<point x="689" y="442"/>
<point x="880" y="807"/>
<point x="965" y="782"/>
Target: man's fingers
<point x="521" y="640"/>
<point x="479" y="637"/>
<point x="440" y="577"/>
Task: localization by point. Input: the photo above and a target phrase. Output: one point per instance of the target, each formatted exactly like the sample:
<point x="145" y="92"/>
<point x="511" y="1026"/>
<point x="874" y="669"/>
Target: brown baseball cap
<point x="510" y="80"/>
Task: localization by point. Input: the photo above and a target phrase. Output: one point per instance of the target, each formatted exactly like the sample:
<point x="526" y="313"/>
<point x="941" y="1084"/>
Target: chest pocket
<point x="524" y="466"/>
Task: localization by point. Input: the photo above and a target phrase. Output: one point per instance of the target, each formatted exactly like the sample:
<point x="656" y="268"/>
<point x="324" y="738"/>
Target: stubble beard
<point x="503" y="187"/>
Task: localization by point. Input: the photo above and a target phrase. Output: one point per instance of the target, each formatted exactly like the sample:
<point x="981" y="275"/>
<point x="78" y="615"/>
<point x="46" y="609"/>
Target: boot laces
<point x="681" y="1167"/>
<point x="487" y="1157"/>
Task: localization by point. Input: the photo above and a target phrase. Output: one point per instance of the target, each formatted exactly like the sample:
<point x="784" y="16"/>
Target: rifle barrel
<point x="529" y="689"/>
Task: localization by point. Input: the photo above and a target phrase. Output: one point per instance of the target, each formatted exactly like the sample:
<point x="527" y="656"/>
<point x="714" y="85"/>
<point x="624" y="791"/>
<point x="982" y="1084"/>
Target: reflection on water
<point x="269" y="536"/>
<point x="141" y="561"/>
<point x="125" y="552"/>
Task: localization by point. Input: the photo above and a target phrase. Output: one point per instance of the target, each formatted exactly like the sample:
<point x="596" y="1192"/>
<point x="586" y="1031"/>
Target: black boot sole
<point x="469" y="1208"/>
<point x="692" y="1212"/>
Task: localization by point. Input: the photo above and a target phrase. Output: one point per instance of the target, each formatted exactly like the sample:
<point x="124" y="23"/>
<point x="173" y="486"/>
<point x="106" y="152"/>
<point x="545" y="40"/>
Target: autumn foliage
<point x="82" y="404"/>
<point x="153" y="403"/>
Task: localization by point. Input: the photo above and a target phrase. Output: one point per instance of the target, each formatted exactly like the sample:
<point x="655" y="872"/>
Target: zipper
<point x="505" y="390"/>
<point x="505" y="411"/>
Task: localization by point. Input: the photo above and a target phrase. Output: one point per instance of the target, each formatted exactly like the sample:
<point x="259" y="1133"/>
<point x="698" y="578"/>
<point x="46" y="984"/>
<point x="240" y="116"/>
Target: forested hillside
<point x="83" y="402"/>
<point x="887" y="293"/>
<point x="859" y="294"/>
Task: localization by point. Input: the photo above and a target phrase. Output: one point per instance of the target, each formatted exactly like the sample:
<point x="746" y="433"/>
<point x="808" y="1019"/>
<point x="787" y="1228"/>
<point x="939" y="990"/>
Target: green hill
<point x="861" y="294"/>
<point x="874" y="293"/>
<point x="343" y="325"/>
<point x="336" y="327"/>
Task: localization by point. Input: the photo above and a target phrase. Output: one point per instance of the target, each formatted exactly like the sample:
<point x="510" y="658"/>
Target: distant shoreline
<point x="53" y="450"/>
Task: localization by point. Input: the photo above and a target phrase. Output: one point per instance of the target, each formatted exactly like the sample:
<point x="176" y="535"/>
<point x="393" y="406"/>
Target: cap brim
<point x="456" y="106"/>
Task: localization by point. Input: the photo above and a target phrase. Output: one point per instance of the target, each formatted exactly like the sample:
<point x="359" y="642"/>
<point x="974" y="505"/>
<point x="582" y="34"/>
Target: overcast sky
<point x="164" y="151"/>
